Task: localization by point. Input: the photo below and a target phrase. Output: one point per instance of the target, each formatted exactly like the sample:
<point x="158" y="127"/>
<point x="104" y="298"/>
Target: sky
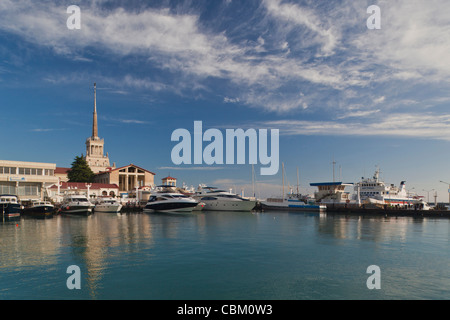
<point x="336" y="90"/>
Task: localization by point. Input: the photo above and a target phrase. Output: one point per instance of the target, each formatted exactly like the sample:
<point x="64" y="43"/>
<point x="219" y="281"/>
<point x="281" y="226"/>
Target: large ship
<point x="375" y="191"/>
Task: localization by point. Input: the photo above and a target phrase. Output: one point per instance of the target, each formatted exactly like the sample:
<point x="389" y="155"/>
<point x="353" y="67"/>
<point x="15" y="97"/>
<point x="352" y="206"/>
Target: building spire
<point x="94" y="123"/>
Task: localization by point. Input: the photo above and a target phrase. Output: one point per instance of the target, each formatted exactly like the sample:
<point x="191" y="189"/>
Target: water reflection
<point x="103" y="244"/>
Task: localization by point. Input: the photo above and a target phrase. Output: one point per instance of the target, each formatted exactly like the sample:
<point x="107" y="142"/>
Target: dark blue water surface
<point x="225" y="255"/>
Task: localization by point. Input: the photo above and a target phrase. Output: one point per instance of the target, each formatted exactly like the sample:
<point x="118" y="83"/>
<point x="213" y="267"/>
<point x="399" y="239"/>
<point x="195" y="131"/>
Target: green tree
<point x="80" y="172"/>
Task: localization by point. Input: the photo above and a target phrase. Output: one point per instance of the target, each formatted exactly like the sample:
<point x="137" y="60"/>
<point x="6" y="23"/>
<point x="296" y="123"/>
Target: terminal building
<point x="27" y="180"/>
<point x="127" y="178"/>
<point x="95" y="153"/>
<point x="35" y="181"/>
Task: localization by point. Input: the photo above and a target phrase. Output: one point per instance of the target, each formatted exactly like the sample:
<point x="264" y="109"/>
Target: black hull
<point x="162" y="207"/>
<point x="44" y="211"/>
<point x="10" y="210"/>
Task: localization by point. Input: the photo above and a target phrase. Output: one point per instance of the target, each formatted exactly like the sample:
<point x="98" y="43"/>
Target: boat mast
<point x="334" y="163"/>
<point x="297" y="183"/>
<point x="253" y="181"/>
<point x="282" y="165"/>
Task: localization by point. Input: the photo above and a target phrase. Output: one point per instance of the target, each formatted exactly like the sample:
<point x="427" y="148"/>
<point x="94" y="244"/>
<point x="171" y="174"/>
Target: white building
<point x="27" y="180"/>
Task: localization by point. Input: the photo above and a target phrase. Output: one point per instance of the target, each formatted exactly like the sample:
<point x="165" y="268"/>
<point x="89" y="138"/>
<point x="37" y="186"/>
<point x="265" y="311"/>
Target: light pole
<point x="447" y="190"/>
<point x="428" y="194"/>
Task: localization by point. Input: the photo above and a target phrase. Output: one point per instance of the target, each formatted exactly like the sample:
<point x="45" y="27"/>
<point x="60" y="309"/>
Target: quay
<point x="387" y="211"/>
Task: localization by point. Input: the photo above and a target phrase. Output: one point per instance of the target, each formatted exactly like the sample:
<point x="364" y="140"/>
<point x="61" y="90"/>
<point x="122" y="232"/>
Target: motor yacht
<point x="107" y="204"/>
<point x="221" y="200"/>
<point x="76" y="204"/>
<point x="170" y="202"/>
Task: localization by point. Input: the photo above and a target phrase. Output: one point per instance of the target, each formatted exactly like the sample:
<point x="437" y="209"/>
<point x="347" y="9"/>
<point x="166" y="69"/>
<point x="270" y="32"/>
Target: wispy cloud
<point x="193" y="168"/>
<point x="422" y="126"/>
<point x="46" y="129"/>
<point x="301" y="57"/>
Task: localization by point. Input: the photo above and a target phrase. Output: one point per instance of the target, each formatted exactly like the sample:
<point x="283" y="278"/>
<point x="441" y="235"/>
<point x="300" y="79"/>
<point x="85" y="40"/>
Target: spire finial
<point x="94" y="122"/>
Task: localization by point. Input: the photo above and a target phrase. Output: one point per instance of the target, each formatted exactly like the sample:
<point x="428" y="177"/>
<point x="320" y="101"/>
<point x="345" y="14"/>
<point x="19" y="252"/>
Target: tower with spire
<point x="95" y="156"/>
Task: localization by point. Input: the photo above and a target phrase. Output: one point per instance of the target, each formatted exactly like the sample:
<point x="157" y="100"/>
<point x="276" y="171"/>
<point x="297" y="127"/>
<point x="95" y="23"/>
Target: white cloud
<point x="422" y="126"/>
<point x="295" y="15"/>
<point x="315" y="46"/>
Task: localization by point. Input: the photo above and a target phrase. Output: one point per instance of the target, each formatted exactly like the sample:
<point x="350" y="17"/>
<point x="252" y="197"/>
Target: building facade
<point x="169" y="181"/>
<point x="128" y="178"/>
<point x="91" y="190"/>
<point x="27" y="180"/>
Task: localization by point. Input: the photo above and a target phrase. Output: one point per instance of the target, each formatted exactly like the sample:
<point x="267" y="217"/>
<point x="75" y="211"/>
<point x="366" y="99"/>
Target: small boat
<point x="221" y="200"/>
<point x="40" y="209"/>
<point x="10" y="207"/>
<point x="292" y="202"/>
<point x="76" y="204"/>
<point x="107" y="204"/>
<point x="170" y="202"/>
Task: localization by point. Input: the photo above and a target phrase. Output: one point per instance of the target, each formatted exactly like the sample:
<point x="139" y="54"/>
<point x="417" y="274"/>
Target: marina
<point x="209" y="255"/>
<point x="149" y="151"/>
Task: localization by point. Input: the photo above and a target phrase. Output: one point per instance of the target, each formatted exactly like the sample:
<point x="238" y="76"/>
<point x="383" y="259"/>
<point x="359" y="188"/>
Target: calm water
<point x="225" y="255"/>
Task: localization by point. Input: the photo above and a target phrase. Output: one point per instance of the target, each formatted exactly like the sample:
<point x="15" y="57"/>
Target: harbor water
<point x="226" y="256"/>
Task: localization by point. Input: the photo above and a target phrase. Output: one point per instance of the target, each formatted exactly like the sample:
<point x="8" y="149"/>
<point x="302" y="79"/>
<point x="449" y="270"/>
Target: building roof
<point x="169" y="178"/>
<point x="60" y="170"/>
<point x="330" y="184"/>
<point x="130" y="165"/>
<point x="82" y="186"/>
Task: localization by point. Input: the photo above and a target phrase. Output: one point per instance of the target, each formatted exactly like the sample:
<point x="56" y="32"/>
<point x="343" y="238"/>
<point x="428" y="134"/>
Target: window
<point x="28" y="190"/>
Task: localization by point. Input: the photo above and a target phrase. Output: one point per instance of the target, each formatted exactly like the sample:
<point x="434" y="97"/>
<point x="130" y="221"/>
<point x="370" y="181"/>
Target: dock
<point x="387" y="212"/>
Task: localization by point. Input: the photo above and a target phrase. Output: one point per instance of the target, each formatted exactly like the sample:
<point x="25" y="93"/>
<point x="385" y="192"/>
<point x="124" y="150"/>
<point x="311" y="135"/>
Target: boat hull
<point x="218" y="205"/>
<point x="292" y="206"/>
<point x="171" y="207"/>
<point x="10" y="210"/>
<point x="77" y="210"/>
<point x="112" y="208"/>
<point x="39" y="211"/>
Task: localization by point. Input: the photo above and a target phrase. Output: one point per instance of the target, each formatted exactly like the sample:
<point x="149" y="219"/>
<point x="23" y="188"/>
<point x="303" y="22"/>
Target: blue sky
<point x="312" y="69"/>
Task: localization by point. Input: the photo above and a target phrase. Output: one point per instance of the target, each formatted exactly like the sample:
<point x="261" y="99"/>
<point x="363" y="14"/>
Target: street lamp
<point x="428" y="194"/>
<point x="447" y="190"/>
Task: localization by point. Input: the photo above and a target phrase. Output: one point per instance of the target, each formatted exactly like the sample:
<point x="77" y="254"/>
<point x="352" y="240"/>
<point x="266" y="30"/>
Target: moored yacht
<point x="107" y="204"/>
<point x="170" y="202"/>
<point x="76" y="204"/>
<point x="221" y="200"/>
<point x="40" y="209"/>
<point x="292" y="202"/>
<point x="9" y="206"/>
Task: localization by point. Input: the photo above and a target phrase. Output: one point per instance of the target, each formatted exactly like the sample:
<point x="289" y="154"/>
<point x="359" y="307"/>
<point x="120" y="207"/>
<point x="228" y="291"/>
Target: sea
<point x="212" y="255"/>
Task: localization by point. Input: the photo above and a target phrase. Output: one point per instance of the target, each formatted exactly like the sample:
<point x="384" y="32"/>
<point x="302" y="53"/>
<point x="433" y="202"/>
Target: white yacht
<point x="221" y="200"/>
<point x="170" y="202"/>
<point x="107" y="204"/>
<point x="76" y="204"/>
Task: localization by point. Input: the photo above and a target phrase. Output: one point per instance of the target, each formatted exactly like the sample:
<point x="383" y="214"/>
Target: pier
<point x="387" y="211"/>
